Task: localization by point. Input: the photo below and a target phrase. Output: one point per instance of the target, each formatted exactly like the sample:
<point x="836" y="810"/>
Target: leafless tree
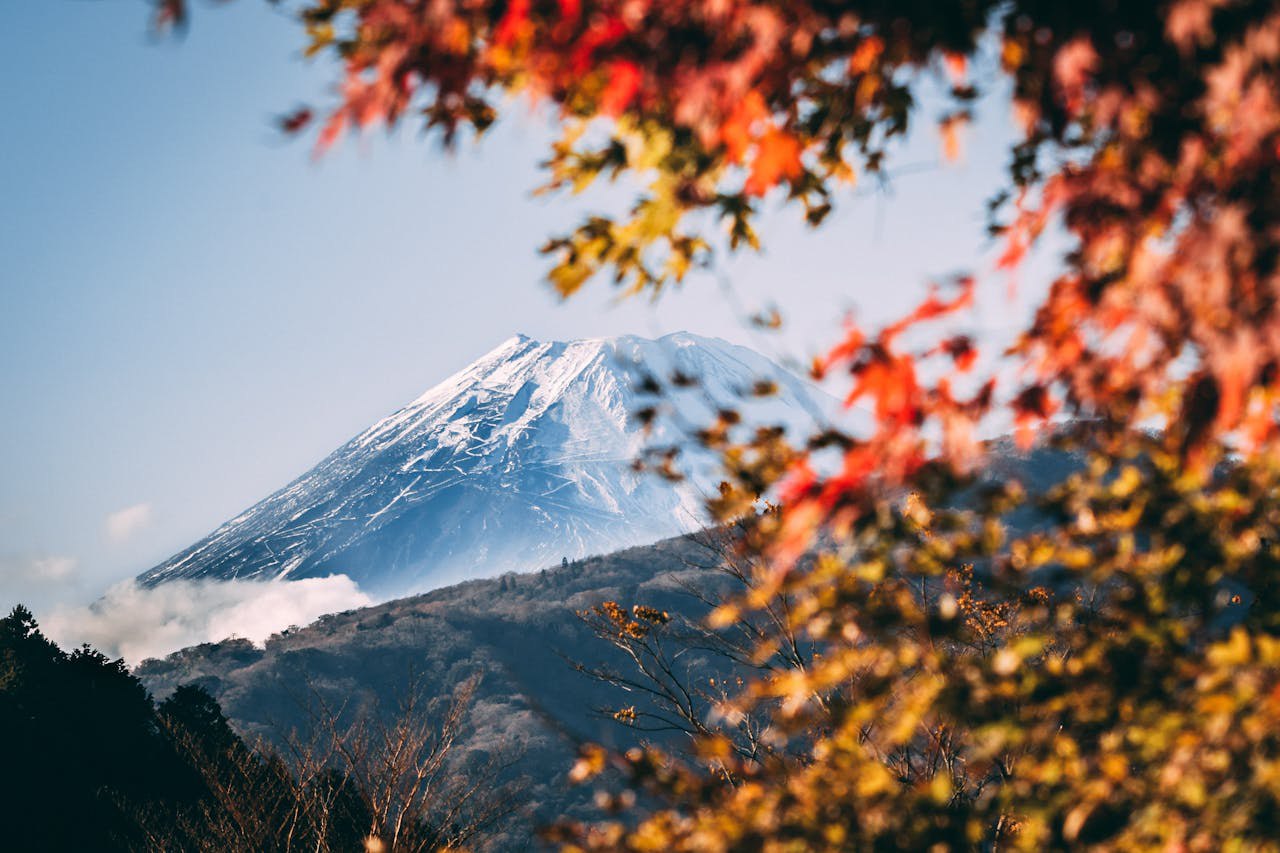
<point x="684" y="674"/>
<point x="405" y="772"/>
<point x="391" y="781"/>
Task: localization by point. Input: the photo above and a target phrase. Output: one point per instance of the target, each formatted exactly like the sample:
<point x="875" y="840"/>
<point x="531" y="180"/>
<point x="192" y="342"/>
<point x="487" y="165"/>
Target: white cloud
<point x="136" y="622"/>
<point x="45" y="569"/>
<point x="36" y="579"/>
<point x="50" y="569"/>
<point x="122" y="524"/>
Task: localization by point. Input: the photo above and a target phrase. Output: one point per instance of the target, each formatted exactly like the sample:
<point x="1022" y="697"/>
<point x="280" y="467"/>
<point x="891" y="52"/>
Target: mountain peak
<point x="677" y="338"/>
<point x="517" y="460"/>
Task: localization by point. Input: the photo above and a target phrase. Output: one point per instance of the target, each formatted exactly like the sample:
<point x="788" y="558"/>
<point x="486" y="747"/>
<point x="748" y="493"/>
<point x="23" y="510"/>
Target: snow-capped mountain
<point x="519" y="460"/>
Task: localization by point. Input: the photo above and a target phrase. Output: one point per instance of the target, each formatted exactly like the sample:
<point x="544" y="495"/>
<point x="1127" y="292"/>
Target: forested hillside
<point x="519" y="633"/>
<point x="95" y="764"/>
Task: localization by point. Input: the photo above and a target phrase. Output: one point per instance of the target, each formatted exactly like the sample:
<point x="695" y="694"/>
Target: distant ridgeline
<point x="520" y="633"/>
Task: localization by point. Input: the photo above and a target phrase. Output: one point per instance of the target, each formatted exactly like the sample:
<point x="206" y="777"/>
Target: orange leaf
<point x="950" y="128"/>
<point x="798" y="482"/>
<point x="961" y="350"/>
<point x="777" y="158"/>
<point x="865" y="55"/>
<point x="891" y="381"/>
<point x="624" y="82"/>
<point x="932" y="307"/>
<point x="854" y="339"/>
<point x="512" y="23"/>
<point x="1073" y="66"/>
<point x="601" y="34"/>
<point x="735" y="133"/>
<point x="330" y="132"/>
<point x="570" y="9"/>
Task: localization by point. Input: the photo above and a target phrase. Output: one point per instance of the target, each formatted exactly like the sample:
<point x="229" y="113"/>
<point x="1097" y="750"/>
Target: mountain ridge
<point x="525" y="455"/>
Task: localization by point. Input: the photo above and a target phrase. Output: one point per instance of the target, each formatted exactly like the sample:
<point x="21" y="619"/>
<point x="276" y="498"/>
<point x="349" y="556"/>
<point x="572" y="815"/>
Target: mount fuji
<point x="515" y="462"/>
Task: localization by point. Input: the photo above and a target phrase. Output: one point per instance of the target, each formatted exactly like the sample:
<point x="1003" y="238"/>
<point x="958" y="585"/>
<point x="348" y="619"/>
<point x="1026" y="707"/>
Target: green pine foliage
<point x="91" y="763"/>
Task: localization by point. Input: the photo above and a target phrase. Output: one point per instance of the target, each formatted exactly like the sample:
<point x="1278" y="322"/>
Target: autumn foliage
<point x="1094" y="664"/>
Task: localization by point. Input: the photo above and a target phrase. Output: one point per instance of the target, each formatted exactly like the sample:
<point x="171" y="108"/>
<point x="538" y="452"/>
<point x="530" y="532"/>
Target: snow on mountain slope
<point x="520" y="459"/>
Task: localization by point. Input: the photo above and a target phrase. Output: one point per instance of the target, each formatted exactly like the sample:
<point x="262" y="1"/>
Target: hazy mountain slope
<point x="517" y="631"/>
<point x="520" y="459"/>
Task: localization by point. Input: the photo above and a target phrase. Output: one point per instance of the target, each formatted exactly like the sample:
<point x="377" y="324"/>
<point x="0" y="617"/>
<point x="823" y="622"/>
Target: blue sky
<point x="192" y="311"/>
